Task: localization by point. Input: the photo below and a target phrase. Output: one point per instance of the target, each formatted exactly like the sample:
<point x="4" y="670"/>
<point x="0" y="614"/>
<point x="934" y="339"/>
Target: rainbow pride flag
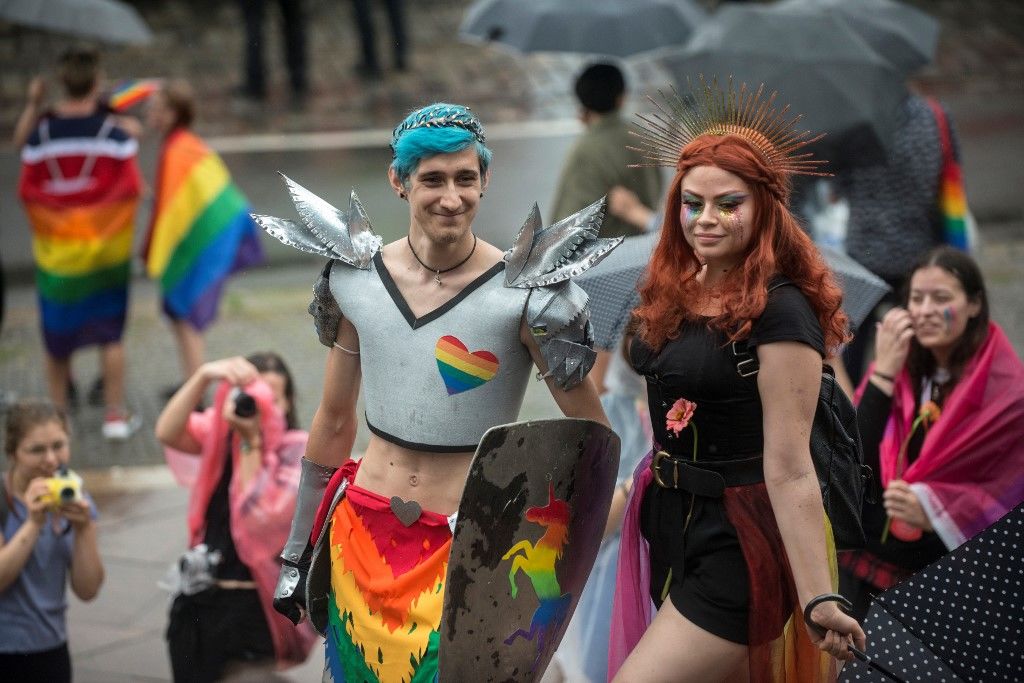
<point x="952" y="197"/>
<point x="200" y="231"/>
<point x="387" y="592"/>
<point x="127" y="93"/>
<point x="80" y="187"/>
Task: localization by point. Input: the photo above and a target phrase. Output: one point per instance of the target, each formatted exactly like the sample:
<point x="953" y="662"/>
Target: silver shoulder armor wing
<point x="325" y="230"/>
<point x="558" y="311"/>
<point x="544" y="256"/>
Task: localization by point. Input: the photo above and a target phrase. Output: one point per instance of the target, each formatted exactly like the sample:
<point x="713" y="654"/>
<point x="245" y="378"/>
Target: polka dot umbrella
<point x="959" y="619"/>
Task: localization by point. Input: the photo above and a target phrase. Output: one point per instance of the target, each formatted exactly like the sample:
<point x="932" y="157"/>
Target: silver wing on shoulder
<point x="541" y="256"/>
<point x="325" y="230"/>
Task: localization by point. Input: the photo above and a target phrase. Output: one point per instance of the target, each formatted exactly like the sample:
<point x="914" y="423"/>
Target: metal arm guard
<point x="559" y="320"/>
<point x="289" y="595"/>
<point x="543" y="260"/>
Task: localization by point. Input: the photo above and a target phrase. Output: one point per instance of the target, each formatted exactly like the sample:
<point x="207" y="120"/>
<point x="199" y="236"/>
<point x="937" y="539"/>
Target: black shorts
<point x="709" y="583"/>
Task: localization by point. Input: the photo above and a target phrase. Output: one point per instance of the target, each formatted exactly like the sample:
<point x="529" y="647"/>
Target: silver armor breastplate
<point x="438" y="382"/>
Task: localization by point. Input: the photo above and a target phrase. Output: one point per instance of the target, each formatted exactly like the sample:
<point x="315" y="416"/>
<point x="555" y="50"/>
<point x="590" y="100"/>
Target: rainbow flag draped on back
<point x="200" y="231"/>
<point x="80" y="187"/>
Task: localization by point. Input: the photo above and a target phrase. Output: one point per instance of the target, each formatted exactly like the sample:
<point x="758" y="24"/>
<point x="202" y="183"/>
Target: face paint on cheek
<point x="734" y="220"/>
<point x="948" y="316"/>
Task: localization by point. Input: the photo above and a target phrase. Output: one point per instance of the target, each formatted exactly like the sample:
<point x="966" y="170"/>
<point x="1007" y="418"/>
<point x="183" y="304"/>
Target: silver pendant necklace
<point x="436" y="271"/>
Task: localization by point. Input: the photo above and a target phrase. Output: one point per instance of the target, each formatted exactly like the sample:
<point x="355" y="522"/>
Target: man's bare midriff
<point x="434" y="480"/>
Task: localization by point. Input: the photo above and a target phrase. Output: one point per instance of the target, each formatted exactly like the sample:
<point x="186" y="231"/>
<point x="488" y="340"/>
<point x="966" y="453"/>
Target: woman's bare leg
<point x="191" y="347"/>
<point x="675" y="650"/>
<point x="112" y="357"/>
<point x="58" y="376"/>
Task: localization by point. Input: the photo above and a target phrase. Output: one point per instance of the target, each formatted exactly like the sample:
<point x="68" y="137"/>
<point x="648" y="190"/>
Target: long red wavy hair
<point x="778" y="247"/>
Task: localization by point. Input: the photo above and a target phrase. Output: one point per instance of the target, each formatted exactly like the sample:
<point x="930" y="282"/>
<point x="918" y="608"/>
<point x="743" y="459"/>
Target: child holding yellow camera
<point x="48" y="537"/>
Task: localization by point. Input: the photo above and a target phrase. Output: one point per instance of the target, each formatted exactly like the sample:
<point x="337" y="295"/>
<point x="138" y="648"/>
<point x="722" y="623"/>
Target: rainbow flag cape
<point x="127" y="93"/>
<point x="952" y="198"/>
<point x="200" y="231"/>
<point x="80" y="187"/>
<point x="387" y="592"/>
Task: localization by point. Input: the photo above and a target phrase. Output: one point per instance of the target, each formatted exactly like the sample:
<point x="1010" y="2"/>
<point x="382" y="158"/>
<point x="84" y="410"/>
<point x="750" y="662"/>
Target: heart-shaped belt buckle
<point x="407" y="511"/>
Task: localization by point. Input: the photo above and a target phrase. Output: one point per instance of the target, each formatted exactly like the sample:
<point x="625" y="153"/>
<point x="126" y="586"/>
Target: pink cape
<point x="970" y="471"/>
<point x="632" y="608"/>
<point x="261" y="510"/>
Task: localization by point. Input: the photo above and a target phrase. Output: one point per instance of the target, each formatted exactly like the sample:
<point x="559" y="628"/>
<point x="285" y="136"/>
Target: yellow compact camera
<point x="66" y="487"/>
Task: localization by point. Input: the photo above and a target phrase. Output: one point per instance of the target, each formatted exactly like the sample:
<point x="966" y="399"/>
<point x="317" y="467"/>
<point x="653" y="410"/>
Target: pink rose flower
<point x="678" y="417"/>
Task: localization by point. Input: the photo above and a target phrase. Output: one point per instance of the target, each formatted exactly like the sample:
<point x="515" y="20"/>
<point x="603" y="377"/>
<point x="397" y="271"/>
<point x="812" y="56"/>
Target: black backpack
<point x="835" y="449"/>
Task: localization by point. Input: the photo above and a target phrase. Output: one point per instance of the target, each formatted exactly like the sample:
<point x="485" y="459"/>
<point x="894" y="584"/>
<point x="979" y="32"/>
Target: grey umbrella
<point x="105" y="20"/>
<point x="904" y="35"/>
<point x="617" y="28"/>
<point x="818" y="64"/>
<point x="612" y="286"/>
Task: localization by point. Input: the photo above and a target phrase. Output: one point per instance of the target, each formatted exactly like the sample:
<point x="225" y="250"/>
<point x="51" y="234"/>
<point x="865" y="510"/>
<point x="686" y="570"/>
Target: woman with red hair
<point x="737" y="313"/>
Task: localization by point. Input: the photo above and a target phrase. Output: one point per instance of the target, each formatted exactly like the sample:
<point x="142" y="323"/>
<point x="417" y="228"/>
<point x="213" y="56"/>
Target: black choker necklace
<point x="437" y="272"/>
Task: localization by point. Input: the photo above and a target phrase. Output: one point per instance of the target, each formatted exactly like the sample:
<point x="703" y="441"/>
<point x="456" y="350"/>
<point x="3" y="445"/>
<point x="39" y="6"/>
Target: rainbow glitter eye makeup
<point x="730" y="204"/>
<point x="692" y="207"/>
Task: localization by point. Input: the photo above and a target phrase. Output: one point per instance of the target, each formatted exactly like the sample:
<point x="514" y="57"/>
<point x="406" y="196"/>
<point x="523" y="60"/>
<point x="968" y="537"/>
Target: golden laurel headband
<point x="712" y="111"/>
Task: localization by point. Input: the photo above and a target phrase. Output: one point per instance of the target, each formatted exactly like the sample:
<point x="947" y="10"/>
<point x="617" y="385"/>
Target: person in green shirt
<point x="599" y="159"/>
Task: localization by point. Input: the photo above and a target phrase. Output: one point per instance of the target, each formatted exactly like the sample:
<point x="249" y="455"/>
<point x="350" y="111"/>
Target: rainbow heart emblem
<point x="461" y="369"/>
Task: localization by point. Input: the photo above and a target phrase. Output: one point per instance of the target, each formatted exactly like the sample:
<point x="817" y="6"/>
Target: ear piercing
<point x="401" y="195"/>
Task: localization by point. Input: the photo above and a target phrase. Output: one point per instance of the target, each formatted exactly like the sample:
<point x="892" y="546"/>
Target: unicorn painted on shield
<point x="538" y="562"/>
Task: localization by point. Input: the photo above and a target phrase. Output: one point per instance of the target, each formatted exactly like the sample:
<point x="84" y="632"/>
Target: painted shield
<point x="529" y="527"/>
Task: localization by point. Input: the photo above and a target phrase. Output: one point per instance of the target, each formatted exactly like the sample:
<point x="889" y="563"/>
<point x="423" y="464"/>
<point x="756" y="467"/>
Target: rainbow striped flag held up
<point x="200" y="231"/>
<point x="80" y="187"/>
<point x="127" y="93"/>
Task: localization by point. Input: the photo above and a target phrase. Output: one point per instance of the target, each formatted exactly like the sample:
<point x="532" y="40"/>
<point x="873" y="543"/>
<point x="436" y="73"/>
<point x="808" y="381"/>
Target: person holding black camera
<point x="241" y="459"/>
<point x="48" y="538"/>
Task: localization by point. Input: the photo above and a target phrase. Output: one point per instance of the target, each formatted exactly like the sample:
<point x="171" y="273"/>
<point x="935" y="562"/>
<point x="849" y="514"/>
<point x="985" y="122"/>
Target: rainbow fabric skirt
<point x="387" y="591"/>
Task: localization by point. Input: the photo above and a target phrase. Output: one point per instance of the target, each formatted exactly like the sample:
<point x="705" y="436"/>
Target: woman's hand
<point x="247" y="428"/>
<point x="841" y="631"/>
<point x="77" y="513"/>
<point x="902" y="503"/>
<point x="236" y="370"/>
<point x="892" y="341"/>
<point x="35" y="499"/>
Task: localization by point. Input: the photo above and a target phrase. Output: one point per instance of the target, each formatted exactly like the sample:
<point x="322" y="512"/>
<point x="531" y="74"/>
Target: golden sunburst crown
<point x="713" y="111"/>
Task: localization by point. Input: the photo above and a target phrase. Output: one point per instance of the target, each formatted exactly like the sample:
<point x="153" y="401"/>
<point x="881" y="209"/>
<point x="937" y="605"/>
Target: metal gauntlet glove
<point x="290" y="594"/>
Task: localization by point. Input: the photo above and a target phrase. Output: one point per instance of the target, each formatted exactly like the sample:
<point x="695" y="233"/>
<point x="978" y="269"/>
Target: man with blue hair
<point x="440" y="330"/>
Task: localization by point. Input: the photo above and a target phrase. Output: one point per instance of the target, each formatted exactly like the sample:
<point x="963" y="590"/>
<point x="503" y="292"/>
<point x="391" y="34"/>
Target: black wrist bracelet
<point x="882" y="375"/>
<point x="844" y="605"/>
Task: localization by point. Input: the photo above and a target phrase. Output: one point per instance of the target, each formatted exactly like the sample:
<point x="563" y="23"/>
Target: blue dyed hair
<point x="436" y="129"/>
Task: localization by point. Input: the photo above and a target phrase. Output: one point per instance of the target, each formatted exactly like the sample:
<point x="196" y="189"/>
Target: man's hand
<point x="290" y="594"/>
<point x="36" y="93"/>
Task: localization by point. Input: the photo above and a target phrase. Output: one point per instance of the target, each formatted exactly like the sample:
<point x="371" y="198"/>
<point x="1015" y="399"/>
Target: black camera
<point x="245" y="405"/>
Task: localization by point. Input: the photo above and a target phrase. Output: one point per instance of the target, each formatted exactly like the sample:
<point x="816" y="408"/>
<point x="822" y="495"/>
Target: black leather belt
<point x="708" y="478"/>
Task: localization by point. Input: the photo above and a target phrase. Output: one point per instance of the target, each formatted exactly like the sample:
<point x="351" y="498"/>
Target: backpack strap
<point x="746" y="362"/>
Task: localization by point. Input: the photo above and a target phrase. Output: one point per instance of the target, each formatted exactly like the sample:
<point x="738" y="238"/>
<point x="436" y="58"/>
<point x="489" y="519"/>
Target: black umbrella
<point x="612" y="286"/>
<point x="617" y="28"/>
<point x="904" y="35"/>
<point x="959" y="619"/>
<point x="818" y="64"/>
<point x="107" y="20"/>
